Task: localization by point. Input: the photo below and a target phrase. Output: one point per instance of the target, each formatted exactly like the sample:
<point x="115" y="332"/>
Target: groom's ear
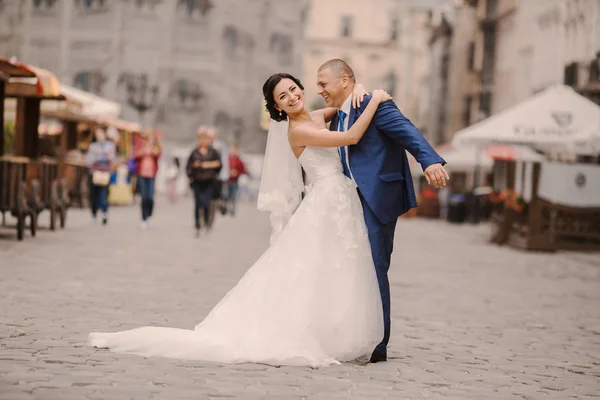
<point x="345" y="81"/>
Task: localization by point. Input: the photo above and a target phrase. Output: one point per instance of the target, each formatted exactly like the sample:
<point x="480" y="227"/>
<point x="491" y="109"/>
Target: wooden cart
<point x="29" y="184"/>
<point x="13" y="192"/>
<point x="72" y="173"/>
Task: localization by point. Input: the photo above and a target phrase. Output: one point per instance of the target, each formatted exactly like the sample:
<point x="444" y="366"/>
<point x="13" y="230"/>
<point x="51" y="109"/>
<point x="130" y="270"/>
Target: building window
<point x="471" y="57"/>
<point x="595" y="68"/>
<point x="485" y="105"/>
<point x="283" y="47"/>
<point x="467" y="111"/>
<point x="571" y="77"/>
<point x="151" y="4"/>
<point x="191" y="6"/>
<point x="91" y="4"/>
<point x="231" y="40"/>
<point x="90" y="81"/>
<point x="347" y="22"/>
<point x="394" y="30"/>
<point x="489" y="47"/>
<point x="43" y="3"/>
<point x="389" y="83"/>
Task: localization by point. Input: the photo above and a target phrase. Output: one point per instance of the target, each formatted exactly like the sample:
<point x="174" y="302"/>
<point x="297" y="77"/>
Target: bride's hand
<point x="358" y="94"/>
<point x="381" y="95"/>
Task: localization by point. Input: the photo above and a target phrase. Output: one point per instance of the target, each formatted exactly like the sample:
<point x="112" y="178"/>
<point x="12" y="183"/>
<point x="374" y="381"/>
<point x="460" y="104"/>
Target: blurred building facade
<point x="384" y="41"/>
<point x="540" y="44"/>
<point x="527" y="46"/>
<point x="487" y="55"/>
<point x="452" y="72"/>
<point x="174" y="64"/>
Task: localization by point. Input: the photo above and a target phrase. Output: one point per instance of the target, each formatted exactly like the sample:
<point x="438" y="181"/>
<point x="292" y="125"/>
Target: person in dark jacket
<point x="202" y="169"/>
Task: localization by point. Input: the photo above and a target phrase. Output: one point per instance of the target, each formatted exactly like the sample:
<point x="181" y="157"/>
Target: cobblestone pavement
<point x="470" y="320"/>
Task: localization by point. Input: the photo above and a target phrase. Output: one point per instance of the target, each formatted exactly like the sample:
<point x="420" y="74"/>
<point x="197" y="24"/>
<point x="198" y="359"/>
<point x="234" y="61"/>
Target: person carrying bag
<point x="100" y="158"/>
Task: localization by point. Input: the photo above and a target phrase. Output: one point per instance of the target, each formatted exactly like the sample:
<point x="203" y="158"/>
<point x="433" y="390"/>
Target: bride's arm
<point x="328" y="113"/>
<point x="309" y="135"/>
<point x="325" y="114"/>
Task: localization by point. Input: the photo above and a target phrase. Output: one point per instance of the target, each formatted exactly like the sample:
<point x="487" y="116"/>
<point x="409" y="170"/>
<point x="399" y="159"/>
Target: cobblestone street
<point x="470" y="320"/>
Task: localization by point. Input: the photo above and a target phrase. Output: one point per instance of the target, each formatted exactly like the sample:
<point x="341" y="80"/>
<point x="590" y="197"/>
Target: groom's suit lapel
<point x="352" y="117"/>
<point x="333" y="125"/>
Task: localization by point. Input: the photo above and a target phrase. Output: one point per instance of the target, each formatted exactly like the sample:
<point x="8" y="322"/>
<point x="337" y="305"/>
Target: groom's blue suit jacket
<point x="379" y="163"/>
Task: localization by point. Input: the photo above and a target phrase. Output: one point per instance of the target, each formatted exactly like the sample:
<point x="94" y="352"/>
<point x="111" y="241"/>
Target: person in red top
<point x="146" y="158"/>
<point x="236" y="169"/>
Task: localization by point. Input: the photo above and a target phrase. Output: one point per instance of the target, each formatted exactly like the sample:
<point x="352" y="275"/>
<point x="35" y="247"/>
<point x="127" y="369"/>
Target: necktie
<point x="341" y="128"/>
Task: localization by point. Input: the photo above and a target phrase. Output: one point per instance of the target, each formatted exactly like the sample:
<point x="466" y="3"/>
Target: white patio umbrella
<point x="554" y="118"/>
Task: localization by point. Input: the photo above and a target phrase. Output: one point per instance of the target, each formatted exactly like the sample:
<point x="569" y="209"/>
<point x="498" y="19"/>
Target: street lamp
<point x="141" y="96"/>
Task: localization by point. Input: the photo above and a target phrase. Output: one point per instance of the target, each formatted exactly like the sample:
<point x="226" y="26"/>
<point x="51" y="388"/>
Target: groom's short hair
<point x="339" y="68"/>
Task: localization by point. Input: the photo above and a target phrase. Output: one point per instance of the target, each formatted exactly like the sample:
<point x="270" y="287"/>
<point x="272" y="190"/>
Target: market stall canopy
<point x="557" y="117"/>
<point x="91" y="105"/>
<point x="29" y="81"/>
<point x="120" y="124"/>
<point x="65" y="115"/>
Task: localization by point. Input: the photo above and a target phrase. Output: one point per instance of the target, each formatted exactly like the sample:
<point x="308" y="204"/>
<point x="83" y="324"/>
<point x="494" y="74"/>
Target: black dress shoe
<point x="376" y="357"/>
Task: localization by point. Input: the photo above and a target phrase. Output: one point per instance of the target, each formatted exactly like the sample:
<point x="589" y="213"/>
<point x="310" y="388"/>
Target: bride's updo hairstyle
<point x="268" y="89"/>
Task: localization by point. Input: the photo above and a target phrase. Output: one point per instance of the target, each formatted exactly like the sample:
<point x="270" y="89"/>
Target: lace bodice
<point x="319" y="163"/>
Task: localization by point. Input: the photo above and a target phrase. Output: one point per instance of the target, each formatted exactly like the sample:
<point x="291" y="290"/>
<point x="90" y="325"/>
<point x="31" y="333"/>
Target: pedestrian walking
<point x="147" y="156"/>
<point x="202" y="168"/>
<point x="100" y="158"/>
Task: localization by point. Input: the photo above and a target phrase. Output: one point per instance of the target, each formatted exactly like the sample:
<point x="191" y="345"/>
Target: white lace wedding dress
<point x="312" y="299"/>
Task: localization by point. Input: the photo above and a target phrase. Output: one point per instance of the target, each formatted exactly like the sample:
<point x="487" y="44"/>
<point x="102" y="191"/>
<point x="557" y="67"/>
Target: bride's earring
<point x="280" y="113"/>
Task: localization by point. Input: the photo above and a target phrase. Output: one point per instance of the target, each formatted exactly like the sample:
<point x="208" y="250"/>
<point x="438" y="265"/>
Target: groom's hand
<point x="436" y="175"/>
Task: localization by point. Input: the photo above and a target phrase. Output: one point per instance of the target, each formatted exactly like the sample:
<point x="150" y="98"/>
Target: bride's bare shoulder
<point x="301" y="130"/>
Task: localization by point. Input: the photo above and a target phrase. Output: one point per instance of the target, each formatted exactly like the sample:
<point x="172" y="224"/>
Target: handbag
<point x="132" y="165"/>
<point x="100" y="178"/>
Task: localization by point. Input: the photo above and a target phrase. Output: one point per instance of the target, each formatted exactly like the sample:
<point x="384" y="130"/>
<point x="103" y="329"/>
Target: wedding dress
<point x="312" y="299"/>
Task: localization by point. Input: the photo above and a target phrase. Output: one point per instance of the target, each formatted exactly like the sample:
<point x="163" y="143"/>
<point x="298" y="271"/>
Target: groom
<point x="379" y="167"/>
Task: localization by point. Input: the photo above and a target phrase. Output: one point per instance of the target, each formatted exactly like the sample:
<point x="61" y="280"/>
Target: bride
<point x="312" y="298"/>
